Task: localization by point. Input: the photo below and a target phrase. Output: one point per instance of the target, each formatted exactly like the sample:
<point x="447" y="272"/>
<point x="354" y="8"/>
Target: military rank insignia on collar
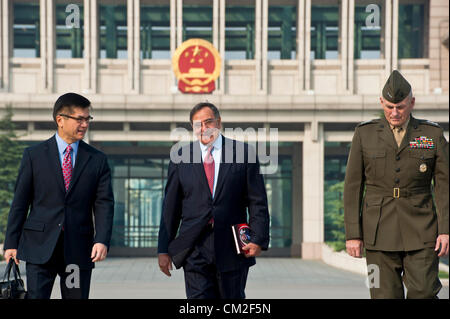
<point x="422" y="142"/>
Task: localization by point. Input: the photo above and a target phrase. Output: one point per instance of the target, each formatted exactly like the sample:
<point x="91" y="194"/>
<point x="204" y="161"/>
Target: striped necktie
<point x="67" y="167"/>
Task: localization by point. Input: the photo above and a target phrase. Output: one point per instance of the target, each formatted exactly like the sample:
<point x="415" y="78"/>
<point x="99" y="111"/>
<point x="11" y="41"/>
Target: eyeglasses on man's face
<point x="206" y="123"/>
<point x="79" y="119"/>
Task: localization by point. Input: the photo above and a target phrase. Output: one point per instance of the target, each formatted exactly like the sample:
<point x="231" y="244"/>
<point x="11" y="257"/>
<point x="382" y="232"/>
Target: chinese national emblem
<point x="196" y="64"/>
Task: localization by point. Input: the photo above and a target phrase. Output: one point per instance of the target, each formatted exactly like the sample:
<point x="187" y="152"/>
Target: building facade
<point x="312" y="69"/>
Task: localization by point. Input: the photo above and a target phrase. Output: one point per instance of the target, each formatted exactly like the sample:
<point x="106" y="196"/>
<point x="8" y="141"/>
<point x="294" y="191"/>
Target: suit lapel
<point x="55" y="162"/>
<point x="83" y="157"/>
<point x="196" y="158"/>
<point x="224" y="167"/>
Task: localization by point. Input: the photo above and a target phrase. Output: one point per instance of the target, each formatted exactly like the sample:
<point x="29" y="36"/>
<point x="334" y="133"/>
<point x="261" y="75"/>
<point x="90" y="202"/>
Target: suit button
<point x="397" y="169"/>
<point x="397" y="181"/>
<point x="397" y="158"/>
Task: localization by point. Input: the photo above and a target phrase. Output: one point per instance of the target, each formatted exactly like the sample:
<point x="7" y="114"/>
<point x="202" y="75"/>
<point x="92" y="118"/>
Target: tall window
<point x="282" y="32"/>
<point x="138" y="184"/>
<point x="411" y="31"/>
<point x="197" y="21"/>
<point x="239" y="32"/>
<point x="324" y="31"/>
<point x="279" y="198"/>
<point x="336" y="154"/>
<point x="113" y="31"/>
<point x="69" y="29"/>
<point x="155" y="31"/>
<point x="26" y="29"/>
<point x="367" y="34"/>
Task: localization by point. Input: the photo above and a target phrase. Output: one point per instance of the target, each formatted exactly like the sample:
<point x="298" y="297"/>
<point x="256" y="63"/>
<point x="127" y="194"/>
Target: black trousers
<point x="417" y="269"/>
<point x="74" y="283"/>
<point x="204" y="281"/>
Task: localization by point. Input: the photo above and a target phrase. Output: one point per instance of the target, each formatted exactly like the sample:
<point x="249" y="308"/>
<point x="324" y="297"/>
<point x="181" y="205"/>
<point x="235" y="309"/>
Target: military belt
<point x="397" y="192"/>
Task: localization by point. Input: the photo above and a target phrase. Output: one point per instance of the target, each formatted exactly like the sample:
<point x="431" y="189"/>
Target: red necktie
<point x="208" y="165"/>
<point x="67" y="167"/>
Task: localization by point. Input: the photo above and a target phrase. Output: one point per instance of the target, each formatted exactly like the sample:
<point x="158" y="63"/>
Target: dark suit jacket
<point x="40" y="184"/>
<point x="188" y="200"/>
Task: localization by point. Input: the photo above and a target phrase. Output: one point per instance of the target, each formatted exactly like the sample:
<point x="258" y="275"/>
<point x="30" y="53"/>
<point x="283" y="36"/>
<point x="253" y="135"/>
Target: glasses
<point x="80" y="119"/>
<point x="206" y="123"/>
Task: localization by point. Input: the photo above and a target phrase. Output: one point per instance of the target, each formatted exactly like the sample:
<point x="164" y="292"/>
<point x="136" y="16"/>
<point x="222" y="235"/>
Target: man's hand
<point x="442" y="241"/>
<point x="252" y="250"/>
<point x="165" y="263"/>
<point x="11" y="253"/>
<point x="99" y="252"/>
<point x="354" y="247"/>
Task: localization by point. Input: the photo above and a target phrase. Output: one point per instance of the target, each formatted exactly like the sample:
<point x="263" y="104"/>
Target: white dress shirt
<point x="216" y="154"/>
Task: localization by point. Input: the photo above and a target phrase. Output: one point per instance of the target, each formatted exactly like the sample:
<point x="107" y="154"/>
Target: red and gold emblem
<point x="196" y="64"/>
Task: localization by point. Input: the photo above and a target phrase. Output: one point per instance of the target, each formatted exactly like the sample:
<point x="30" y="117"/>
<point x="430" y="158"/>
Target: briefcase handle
<point x="11" y="265"/>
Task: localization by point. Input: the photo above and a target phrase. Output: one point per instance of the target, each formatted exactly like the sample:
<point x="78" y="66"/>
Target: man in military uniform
<point x="398" y="161"/>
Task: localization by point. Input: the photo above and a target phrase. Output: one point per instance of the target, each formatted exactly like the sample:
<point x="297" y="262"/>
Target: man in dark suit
<point x="208" y="191"/>
<point x="67" y="184"/>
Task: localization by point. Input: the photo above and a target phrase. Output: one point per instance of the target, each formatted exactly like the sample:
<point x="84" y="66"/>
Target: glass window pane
<point x="367" y="37"/>
<point x="239" y="32"/>
<point x="279" y="197"/>
<point x="411" y="31"/>
<point x="146" y="167"/>
<point x="69" y="30"/>
<point x="118" y="166"/>
<point x="336" y="154"/>
<point x="113" y="31"/>
<point x="324" y="31"/>
<point x="282" y="32"/>
<point x="155" y="32"/>
<point x="197" y="22"/>
<point x="26" y="26"/>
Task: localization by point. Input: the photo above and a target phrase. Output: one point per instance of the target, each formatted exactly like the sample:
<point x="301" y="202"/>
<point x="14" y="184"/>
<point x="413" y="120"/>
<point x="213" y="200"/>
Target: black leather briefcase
<point x="12" y="289"/>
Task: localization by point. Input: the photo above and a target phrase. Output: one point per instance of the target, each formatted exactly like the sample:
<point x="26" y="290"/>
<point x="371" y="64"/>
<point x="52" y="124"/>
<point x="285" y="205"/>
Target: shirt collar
<point x="217" y="144"/>
<point x="62" y="145"/>
<point x="404" y="126"/>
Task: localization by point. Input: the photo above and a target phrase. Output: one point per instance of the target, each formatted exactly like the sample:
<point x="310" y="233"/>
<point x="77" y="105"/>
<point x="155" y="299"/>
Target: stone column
<point x="43" y="45"/>
<point x="179" y="22"/>
<point x="307" y="44"/>
<point x="86" y="85"/>
<point x="301" y="38"/>
<point x="258" y="42"/>
<point x="215" y="35"/>
<point x="222" y="46"/>
<point x="133" y="45"/>
<point x="343" y="47"/>
<point x="137" y="47"/>
<point x="173" y="36"/>
<point x="351" y="47"/>
<point x="5" y="48"/>
<point x="50" y="44"/>
<point x="265" y="40"/>
<point x="394" y="34"/>
<point x="388" y="37"/>
<point x="94" y="43"/>
<point x="313" y="183"/>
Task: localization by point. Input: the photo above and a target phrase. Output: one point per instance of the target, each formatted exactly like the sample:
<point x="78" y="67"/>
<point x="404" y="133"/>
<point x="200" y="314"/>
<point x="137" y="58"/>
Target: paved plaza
<point x="270" y="278"/>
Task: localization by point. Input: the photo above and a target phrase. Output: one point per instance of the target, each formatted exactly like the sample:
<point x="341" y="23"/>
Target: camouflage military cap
<point x="396" y="88"/>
